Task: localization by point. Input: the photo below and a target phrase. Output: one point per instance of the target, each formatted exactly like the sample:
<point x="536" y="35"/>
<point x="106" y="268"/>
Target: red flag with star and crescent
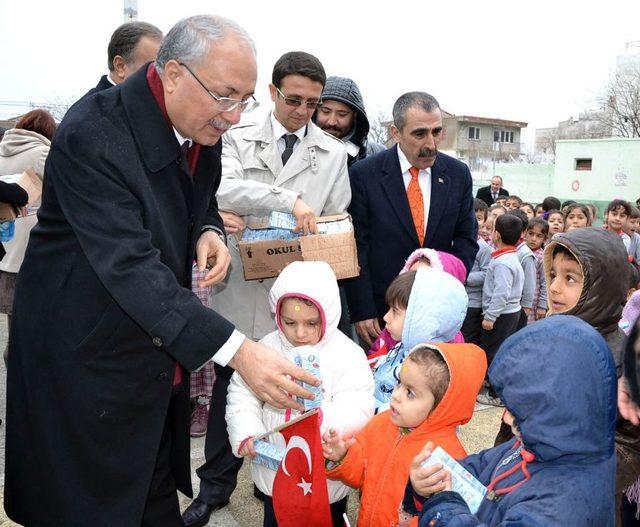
<point x="300" y="494"/>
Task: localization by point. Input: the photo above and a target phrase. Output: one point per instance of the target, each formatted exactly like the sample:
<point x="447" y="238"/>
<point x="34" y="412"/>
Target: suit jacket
<point x="484" y="194"/>
<point x="103" y="311"/>
<point x="384" y="229"/>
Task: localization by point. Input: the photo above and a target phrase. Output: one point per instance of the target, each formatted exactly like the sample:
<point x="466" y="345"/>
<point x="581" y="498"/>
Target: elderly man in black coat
<point x="105" y="322"/>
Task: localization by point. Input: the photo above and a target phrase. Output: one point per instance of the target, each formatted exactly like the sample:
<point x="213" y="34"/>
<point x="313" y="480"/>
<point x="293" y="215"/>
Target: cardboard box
<point x="30" y="182"/>
<point x="265" y="258"/>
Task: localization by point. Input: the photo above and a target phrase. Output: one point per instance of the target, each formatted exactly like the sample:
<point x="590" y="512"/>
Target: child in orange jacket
<point x="436" y="393"/>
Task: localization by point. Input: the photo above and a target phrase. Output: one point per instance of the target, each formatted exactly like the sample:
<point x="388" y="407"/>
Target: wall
<point x="615" y="169"/>
<point x="532" y="182"/>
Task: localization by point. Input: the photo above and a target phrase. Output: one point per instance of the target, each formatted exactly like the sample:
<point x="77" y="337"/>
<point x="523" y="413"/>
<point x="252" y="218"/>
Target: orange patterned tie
<point x="416" y="203"/>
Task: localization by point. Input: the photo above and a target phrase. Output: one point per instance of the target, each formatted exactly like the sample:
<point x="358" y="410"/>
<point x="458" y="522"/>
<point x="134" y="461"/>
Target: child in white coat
<point x="306" y="304"/>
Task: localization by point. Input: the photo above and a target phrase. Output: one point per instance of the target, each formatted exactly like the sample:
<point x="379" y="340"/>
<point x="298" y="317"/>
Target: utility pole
<point x="130" y="10"/>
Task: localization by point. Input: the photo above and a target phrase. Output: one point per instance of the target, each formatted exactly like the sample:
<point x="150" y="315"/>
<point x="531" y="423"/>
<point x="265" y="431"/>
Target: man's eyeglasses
<point x="312" y="104"/>
<point x="226" y="104"/>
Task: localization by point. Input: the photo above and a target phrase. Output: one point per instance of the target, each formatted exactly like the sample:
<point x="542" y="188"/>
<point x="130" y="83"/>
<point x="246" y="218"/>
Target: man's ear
<point x="395" y="133"/>
<point x="119" y="68"/>
<point x="172" y="75"/>
<point x="273" y="92"/>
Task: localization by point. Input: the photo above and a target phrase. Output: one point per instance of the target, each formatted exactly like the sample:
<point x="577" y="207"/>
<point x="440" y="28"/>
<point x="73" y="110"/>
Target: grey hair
<point x="418" y="99"/>
<point x="191" y="39"/>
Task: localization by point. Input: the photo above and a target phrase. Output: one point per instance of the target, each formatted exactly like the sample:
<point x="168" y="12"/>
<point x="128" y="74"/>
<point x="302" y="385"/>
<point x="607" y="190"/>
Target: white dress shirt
<point x="279" y="131"/>
<point x="110" y="79"/>
<point x="424" y="180"/>
<point x="229" y="348"/>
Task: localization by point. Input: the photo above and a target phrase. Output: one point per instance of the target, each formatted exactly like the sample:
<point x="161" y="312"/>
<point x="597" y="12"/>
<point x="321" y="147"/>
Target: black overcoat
<point x="103" y="310"/>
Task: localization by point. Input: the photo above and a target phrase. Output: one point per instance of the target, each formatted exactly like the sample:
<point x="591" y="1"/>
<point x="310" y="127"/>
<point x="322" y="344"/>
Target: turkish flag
<point x="300" y="494"/>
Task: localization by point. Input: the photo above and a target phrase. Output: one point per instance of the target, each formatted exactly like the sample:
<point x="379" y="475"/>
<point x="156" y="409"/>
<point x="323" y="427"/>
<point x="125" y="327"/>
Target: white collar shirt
<point x="279" y="131"/>
<point x="424" y="180"/>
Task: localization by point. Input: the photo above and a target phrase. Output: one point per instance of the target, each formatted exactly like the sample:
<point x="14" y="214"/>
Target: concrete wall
<point x="615" y="169"/>
<point x="532" y="182"/>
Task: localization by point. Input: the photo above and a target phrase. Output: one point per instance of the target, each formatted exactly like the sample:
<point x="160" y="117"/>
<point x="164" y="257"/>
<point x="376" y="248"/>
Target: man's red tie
<point x="416" y="203"/>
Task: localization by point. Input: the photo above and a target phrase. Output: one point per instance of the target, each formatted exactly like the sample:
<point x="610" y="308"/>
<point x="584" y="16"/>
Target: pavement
<point x="244" y="510"/>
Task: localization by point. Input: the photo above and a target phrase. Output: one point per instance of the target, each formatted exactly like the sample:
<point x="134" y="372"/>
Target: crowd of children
<point x="542" y="307"/>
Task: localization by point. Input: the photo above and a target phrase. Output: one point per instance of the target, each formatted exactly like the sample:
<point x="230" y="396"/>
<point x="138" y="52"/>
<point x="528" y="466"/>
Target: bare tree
<point x="379" y="128"/>
<point x="620" y="104"/>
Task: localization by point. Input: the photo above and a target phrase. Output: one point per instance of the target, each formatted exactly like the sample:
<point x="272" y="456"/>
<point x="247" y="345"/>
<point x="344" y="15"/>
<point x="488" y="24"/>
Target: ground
<point x="244" y="509"/>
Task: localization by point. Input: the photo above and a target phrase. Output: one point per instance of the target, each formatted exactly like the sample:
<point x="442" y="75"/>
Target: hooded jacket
<point x="603" y="259"/>
<point x="347" y="92"/>
<point x="347" y="383"/>
<point x="435" y="313"/>
<point x="566" y="419"/>
<point x="378" y="463"/>
<point x="438" y="260"/>
<point x="20" y="150"/>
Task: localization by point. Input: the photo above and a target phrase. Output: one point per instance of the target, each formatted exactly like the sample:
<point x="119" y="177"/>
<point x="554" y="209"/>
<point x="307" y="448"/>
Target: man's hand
<point x="428" y="480"/>
<point x="334" y="448"/>
<point x="628" y="409"/>
<point x="305" y="217"/>
<point x="270" y="375"/>
<point x="368" y="330"/>
<point x="528" y="311"/>
<point x="540" y="313"/>
<point x="212" y="251"/>
<point x="487" y="325"/>
<point x="232" y="222"/>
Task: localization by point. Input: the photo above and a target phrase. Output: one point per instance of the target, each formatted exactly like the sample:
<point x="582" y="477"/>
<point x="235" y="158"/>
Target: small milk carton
<point x="462" y="482"/>
<point x="309" y="361"/>
<point x="268" y="455"/>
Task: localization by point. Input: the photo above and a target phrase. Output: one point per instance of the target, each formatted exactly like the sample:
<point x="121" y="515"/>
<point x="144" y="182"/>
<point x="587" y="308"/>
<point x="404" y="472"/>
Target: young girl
<point x="556" y="222"/>
<point x="436" y="393"/>
<point x="306" y="302"/>
<point x="576" y="215"/>
<point x="486" y="230"/>
<point x="427" y="305"/>
<point x="527" y="208"/>
<point x="420" y="258"/>
<point x="537" y="233"/>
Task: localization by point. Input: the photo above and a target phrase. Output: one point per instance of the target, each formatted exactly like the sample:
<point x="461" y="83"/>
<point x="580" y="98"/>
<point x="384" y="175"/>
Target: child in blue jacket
<point x="559" y="469"/>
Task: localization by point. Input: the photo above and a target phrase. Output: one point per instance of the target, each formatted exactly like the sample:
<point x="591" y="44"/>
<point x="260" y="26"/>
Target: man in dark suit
<point x="404" y="198"/>
<point x="491" y="193"/>
<point x="131" y="46"/>
<point x="105" y="324"/>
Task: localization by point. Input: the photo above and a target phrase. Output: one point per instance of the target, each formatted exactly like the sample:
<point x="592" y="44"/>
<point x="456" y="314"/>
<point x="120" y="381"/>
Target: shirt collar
<point x="405" y="165"/>
<point x="279" y="130"/>
<point x="110" y="79"/>
<point x="181" y="139"/>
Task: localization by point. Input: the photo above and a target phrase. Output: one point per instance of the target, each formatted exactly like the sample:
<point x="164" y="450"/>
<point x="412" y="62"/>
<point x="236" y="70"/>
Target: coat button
<point x="162" y="376"/>
<point x="275" y="190"/>
<point x="157" y="342"/>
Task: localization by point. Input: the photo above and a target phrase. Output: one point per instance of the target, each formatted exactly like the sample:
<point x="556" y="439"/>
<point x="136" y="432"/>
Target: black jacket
<point x="103" y="310"/>
<point x="384" y="229"/>
<point x="484" y="194"/>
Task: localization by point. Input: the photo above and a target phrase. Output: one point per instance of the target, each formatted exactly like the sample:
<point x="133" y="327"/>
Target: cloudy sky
<point x="539" y="62"/>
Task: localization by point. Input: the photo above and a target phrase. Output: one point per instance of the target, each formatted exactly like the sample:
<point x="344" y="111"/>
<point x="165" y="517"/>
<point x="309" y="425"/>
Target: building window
<point x="583" y="164"/>
<point x="502" y="136"/>
<point x="474" y="133"/>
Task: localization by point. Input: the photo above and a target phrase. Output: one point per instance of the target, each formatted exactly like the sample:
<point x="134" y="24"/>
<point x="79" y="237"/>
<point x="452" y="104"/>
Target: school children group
<point x="543" y="308"/>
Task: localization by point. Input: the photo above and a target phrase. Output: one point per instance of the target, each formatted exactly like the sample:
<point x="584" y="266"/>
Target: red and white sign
<point x="575" y="186"/>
